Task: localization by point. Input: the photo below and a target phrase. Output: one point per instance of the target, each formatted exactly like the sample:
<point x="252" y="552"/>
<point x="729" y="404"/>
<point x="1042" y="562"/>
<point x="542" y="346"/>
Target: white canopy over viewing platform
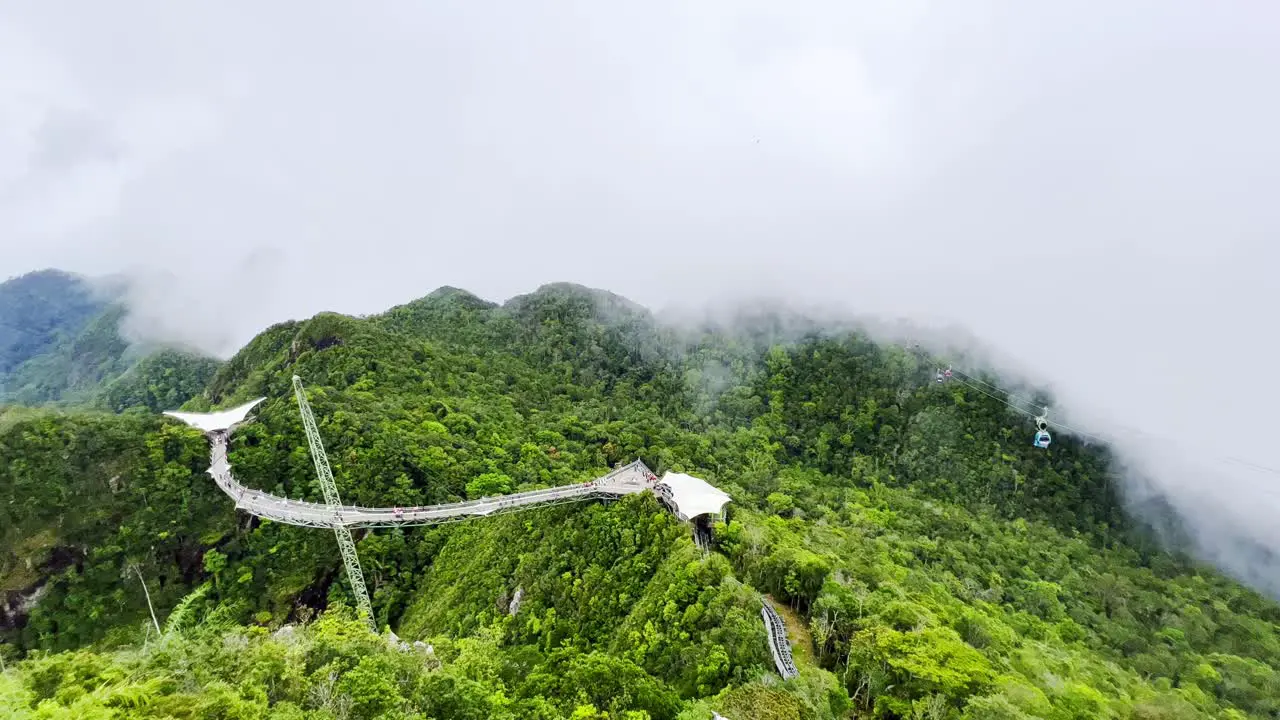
<point x="220" y="420"/>
<point x="690" y="497"/>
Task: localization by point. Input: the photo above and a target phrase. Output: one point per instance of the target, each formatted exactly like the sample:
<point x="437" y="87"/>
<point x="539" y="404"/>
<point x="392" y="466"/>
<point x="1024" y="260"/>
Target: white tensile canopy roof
<point x="221" y="420"/>
<point x="693" y="496"/>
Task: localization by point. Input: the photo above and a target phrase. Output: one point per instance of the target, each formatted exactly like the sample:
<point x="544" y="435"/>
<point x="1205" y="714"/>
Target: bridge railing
<point x="779" y="645"/>
<point x="622" y="480"/>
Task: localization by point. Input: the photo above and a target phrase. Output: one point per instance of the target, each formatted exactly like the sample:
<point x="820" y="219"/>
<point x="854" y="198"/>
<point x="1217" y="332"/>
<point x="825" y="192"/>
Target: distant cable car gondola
<point x="1043" y="438"/>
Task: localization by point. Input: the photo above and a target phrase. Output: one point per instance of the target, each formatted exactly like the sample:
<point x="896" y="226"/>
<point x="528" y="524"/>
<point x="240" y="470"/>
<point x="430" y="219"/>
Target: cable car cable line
<point x="1042" y="437"/>
<point x="967" y="380"/>
<point x="1024" y="411"/>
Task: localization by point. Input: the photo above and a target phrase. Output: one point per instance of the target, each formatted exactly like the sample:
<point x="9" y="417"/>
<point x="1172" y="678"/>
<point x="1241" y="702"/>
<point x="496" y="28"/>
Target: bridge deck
<point x="625" y="480"/>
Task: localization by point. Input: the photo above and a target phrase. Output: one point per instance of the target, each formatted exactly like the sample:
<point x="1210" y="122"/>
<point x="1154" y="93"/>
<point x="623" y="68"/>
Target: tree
<point x="489" y="485"/>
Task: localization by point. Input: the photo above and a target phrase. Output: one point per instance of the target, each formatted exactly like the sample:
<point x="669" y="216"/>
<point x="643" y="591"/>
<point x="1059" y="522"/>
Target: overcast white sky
<point x="1091" y="186"/>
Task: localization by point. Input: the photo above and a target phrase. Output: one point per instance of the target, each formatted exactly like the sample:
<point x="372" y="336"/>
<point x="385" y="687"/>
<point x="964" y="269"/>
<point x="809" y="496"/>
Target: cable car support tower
<point x="345" y="544"/>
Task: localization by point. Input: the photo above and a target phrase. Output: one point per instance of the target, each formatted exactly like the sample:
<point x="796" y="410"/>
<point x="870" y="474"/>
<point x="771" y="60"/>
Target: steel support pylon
<point x="345" y="543"/>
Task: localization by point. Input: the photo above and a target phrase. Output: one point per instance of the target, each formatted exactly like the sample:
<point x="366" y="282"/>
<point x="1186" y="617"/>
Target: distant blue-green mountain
<point x="61" y="344"/>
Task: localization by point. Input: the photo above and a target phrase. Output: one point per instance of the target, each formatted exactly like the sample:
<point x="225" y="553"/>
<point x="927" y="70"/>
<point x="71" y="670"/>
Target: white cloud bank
<point x="1088" y="186"/>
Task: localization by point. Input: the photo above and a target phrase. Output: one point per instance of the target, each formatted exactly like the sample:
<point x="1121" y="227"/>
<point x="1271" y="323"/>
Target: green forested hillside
<point x="160" y="381"/>
<point x="60" y="343"/>
<point x="935" y="564"/>
<point x="39" y="312"/>
<point x="40" y="308"/>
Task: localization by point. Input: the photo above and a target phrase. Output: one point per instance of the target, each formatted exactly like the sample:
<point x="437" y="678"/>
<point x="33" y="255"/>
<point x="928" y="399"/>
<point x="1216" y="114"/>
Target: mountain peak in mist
<point x="40" y="308"/>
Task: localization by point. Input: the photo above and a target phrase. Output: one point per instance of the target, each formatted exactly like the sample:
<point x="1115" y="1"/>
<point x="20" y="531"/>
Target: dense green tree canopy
<point x="39" y="309"/>
<point x="929" y="562"/>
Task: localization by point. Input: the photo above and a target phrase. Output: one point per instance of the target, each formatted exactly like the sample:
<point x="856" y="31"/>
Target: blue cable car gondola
<point x="1042" y="439"/>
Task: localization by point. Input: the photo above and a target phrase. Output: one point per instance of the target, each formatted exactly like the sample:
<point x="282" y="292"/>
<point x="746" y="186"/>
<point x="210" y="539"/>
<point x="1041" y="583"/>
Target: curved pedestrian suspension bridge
<point x="629" y="479"/>
<point x="626" y="480"/>
<point x="688" y="497"/>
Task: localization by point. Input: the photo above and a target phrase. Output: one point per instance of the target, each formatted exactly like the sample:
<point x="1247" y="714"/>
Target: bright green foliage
<point x="489" y="484"/>
<point x="332" y="669"/>
<point x="158" y="382"/>
<point x="87" y="495"/>
<point x="756" y="701"/>
<point x="625" y="577"/>
<point x="925" y="603"/>
<point x="946" y="568"/>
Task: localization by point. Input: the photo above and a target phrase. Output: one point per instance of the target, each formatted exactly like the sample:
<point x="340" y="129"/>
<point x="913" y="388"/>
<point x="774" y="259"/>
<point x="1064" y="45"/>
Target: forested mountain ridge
<point x="36" y="308"/>
<point x="943" y="566"/>
<point x="38" y="312"/>
<point x="61" y="343"/>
